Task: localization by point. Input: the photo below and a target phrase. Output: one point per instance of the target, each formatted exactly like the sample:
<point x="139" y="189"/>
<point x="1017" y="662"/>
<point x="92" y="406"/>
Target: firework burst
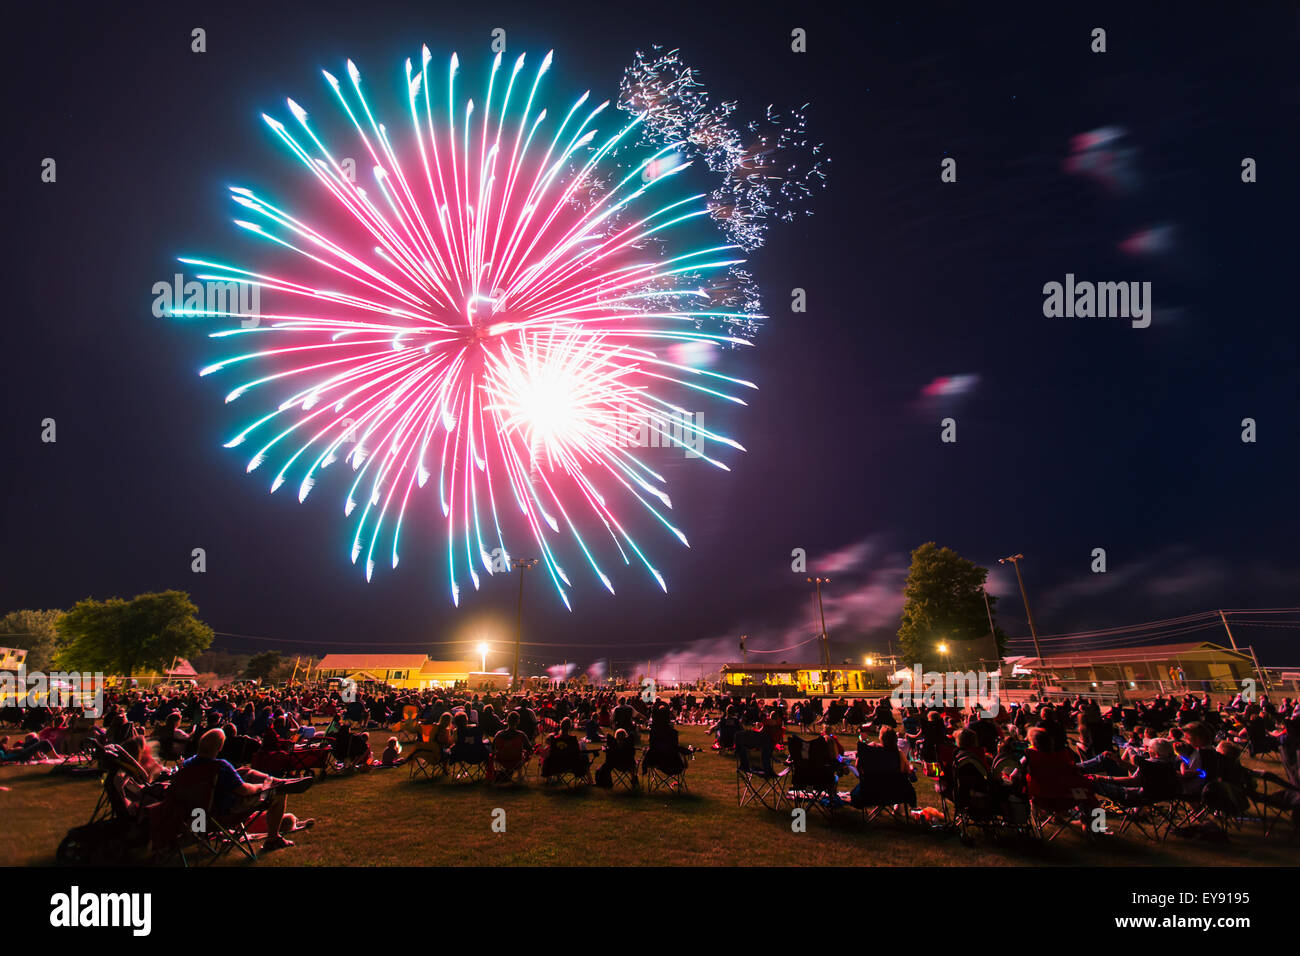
<point x="504" y="296"/>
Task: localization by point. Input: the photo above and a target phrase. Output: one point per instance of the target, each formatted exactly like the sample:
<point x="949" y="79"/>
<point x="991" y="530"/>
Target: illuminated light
<point x="507" y="291"/>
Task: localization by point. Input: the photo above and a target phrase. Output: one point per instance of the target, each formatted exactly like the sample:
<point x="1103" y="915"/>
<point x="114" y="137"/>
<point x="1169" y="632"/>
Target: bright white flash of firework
<point x="499" y="300"/>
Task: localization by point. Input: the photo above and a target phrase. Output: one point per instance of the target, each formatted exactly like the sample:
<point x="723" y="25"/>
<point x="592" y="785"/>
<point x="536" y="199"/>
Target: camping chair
<point x="812" y="775"/>
<point x="184" y="818"/>
<point x="123" y="779"/>
<point x="564" y="764"/>
<point x="427" y="761"/>
<point x="347" y="752"/>
<point x="171" y="750"/>
<point x="1276" y="804"/>
<point x="508" y="763"/>
<point x="974" y="798"/>
<point x="298" y="761"/>
<point x="726" y="735"/>
<point x="1057" y="789"/>
<point x="624" y="774"/>
<point x="240" y="750"/>
<point x="468" y="767"/>
<point x="1155" y="810"/>
<point x="756" y="779"/>
<point x="881" y="784"/>
<point x="408" y="728"/>
<point x="621" y="764"/>
<point x="1260" y="744"/>
<point x="664" y="767"/>
<point x="118" y="830"/>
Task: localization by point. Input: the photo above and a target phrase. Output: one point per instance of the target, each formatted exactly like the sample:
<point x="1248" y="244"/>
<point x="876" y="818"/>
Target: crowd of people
<point x="1121" y="755"/>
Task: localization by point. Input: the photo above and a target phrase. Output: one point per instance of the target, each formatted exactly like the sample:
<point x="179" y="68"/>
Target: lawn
<point x="383" y="818"/>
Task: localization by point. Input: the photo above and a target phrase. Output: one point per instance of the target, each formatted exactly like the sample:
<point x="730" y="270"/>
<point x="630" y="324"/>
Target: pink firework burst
<point x="505" y="298"/>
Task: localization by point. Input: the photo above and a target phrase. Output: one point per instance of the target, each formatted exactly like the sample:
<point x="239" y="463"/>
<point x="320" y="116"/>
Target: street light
<point x="1015" y="560"/>
<point x="521" y="565"/>
<point x="826" y="648"/>
<point x="483" y="651"/>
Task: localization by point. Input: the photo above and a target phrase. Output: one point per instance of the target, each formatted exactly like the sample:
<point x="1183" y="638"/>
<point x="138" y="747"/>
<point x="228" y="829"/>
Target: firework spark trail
<point x="500" y="317"/>
<point x="768" y="171"/>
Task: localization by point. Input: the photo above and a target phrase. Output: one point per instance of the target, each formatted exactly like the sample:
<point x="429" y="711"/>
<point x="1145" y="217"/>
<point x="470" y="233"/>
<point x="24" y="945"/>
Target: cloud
<point x="863" y="600"/>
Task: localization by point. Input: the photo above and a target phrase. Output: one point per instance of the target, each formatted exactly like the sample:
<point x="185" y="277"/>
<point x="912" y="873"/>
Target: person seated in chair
<point x="563" y="753"/>
<point x="877" y="784"/>
<point x="469" y="746"/>
<point x="489" y="723"/>
<point x="352" y="747"/>
<point x="1145" y="781"/>
<point x="171" y="739"/>
<point x="510" y="747"/>
<point x="1198" y="761"/>
<point x="245" y="790"/>
<point x="774" y="727"/>
<point x="971" y="763"/>
<point x="620" y="754"/>
<point x="664" y="753"/>
<point x="138" y="750"/>
<point x="725" y="729"/>
<point x="30" y="748"/>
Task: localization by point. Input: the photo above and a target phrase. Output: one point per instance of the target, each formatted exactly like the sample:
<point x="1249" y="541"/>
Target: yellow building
<point x="11" y="658"/>
<point x="788" y="679"/>
<point x="407" y="671"/>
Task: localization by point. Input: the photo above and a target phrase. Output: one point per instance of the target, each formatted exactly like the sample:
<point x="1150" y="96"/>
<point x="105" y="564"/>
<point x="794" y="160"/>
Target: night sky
<point x="1077" y="433"/>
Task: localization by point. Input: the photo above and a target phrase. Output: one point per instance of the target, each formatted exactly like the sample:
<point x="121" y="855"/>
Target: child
<point x="391" y="753"/>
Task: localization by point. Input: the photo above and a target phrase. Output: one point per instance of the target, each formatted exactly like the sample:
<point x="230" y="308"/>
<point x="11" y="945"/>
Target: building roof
<point x="183" y="668"/>
<point x="382" y="662"/>
<point x="1128" y="655"/>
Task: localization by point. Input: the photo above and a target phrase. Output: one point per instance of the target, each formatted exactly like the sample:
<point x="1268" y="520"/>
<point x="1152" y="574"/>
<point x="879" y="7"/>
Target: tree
<point x="262" y="666"/>
<point x="36" y="632"/>
<point x="943" y="603"/>
<point x="121" y="637"/>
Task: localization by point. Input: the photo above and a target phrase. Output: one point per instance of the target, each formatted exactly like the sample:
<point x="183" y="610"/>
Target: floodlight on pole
<point x="1015" y="560"/>
<point x="826" y="647"/>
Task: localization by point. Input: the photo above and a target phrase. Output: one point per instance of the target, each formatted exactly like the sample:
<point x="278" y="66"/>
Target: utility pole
<point x="521" y="566"/>
<point x="1231" y="640"/>
<point x="826" y="648"/>
<point x="1015" y="560"/>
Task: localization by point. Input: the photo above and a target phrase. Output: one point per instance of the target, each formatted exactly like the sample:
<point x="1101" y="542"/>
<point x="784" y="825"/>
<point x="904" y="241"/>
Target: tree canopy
<point x="943" y="603"/>
<point x="121" y="637"/>
<point x="36" y="632"/>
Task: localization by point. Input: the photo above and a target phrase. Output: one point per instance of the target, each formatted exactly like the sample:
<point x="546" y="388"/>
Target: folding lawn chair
<point x="563" y="764"/>
<point x="813" y="783"/>
<point x="1057" y="790"/>
<point x="756" y="779"/>
<point x="185" y="818"/>
<point x="882" y="785"/>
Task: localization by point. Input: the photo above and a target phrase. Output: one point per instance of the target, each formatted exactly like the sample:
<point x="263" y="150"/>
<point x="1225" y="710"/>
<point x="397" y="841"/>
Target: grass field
<point x="383" y="818"/>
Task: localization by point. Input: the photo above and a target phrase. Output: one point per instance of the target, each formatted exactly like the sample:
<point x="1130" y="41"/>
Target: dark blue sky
<point x="1078" y="433"/>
